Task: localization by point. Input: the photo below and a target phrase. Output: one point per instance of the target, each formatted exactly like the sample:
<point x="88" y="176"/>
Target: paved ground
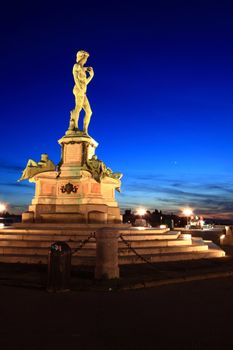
<point x="194" y="315"/>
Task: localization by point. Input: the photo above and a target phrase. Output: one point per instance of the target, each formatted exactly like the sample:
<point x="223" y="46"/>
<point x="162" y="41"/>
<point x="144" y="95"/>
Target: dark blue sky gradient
<point x="161" y="96"/>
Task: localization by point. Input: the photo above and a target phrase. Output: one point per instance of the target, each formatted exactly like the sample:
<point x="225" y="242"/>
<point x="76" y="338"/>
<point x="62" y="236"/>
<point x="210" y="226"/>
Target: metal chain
<point x="92" y="235"/>
<point x="137" y="254"/>
<point x="83" y="242"/>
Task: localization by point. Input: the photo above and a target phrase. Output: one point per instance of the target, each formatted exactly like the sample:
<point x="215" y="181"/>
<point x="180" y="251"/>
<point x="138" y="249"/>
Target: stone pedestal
<point x="28" y="216"/>
<point x="77" y="148"/>
<point x="107" y="254"/>
<point x="71" y="194"/>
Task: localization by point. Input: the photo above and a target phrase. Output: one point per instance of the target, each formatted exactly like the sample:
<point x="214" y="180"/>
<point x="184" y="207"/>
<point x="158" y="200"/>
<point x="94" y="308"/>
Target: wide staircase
<point x="30" y="243"/>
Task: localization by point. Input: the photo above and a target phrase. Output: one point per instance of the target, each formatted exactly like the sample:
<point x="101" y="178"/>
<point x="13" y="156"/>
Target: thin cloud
<point x="5" y="165"/>
<point x="206" y="197"/>
<point x="16" y="184"/>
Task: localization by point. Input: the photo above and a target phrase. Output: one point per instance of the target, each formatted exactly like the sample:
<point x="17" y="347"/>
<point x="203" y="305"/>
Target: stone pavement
<point x="194" y="315"/>
<point x="191" y="315"/>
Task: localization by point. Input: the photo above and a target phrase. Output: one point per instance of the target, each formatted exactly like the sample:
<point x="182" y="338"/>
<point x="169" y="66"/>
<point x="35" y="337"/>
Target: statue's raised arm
<point x="82" y="77"/>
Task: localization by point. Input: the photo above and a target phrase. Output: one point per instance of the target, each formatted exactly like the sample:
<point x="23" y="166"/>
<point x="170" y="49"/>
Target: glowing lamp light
<point x="187" y="212"/>
<point x="2" y="207"/>
<point x="186" y="236"/>
<point x="141" y="211"/>
<point x="163" y="226"/>
<point x="222" y="237"/>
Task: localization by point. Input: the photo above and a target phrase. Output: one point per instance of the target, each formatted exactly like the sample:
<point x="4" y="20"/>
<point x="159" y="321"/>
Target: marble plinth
<point x="71" y="194"/>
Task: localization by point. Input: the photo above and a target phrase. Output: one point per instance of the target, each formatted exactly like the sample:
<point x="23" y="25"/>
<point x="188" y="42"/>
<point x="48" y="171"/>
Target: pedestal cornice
<point x="77" y="137"/>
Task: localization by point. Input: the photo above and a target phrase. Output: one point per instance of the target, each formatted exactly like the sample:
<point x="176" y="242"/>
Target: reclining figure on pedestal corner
<point x="99" y="170"/>
<point x="33" y="167"/>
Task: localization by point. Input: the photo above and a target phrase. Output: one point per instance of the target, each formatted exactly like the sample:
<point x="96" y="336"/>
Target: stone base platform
<point x="80" y="190"/>
<point x="30" y="243"/>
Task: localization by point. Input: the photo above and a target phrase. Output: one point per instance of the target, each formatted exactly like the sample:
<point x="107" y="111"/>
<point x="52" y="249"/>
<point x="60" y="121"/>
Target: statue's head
<point x="44" y="157"/>
<point x="82" y="56"/>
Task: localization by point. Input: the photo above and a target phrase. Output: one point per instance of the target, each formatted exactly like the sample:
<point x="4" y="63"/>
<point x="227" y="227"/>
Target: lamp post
<point x="141" y="212"/>
<point x="140" y="222"/>
<point x="2" y="208"/>
<point x="187" y="213"/>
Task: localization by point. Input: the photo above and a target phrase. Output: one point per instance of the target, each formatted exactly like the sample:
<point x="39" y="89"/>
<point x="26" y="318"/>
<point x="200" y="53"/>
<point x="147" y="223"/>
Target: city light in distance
<point x="187" y="212"/>
<point x="2" y="207"/>
<point x="141" y="211"/>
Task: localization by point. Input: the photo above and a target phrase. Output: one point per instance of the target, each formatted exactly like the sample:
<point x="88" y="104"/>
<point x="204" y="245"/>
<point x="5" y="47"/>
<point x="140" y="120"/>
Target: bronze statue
<point x="82" y="77"/>
<point x="99" y="170"/>
<point x="33" y="168"/>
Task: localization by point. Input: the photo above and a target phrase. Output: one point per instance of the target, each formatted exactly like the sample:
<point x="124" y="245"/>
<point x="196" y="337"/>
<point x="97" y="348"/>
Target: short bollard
<point x="59" y="267"/>
<point x="107" y="254"/>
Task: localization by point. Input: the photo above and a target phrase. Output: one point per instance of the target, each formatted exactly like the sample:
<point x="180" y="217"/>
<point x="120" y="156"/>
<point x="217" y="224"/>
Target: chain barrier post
<point x="59" y="267"/>
<point x="107" y="266"/>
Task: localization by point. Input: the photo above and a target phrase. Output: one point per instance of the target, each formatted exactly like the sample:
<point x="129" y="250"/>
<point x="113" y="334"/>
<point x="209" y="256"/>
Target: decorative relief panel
<point x="47" y="189"/>
<point x="95" y="188"/>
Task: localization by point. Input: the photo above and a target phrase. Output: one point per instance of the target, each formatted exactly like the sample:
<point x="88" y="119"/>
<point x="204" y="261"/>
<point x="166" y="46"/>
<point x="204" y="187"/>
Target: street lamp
<point x="141" y="223"/>
<point x="141" y="212"/>
<point x="187" y="213"/>
<point x="2" y="208"/>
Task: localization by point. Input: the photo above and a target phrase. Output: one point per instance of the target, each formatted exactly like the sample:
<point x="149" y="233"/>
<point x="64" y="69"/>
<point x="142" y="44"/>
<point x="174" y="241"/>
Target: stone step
<point x="41" y="244"/>
<point x="156" y="243"/>
<point x="46" y="232"/>
<point x="163" y="250"/>
<point x="92" y="243"/>
<point x="91" y="251"/>
<point x="208" y="254"/>
<point x="82" y="231"/>
<point x="45" y="236"/>
<point x="151" y="236"/>
<point x="41" y="251"/>
<point x="71" y="226"/>
<point x="43" y="259"/>
<point x="146" y="231"/>
<point x="213" y="252"/>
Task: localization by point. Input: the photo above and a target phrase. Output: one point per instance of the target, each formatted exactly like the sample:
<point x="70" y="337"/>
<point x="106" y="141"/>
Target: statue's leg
<point x="31" y="163"/>
<point x="88" y="113"/>
<point x="79" y="100"/>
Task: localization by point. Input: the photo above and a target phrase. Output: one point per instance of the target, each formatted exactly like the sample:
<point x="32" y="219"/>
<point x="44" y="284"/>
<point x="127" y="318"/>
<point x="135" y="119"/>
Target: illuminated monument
<point x="76" y="198"/>
<point x="81" y="188"/>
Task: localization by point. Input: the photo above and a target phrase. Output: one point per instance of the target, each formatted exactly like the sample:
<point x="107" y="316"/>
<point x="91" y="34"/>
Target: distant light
<point x="141" y="211"/>
<point x="2" y="207"/>
<point x="163" y="226"/>
<point x="1" y="225"/>
<point x="186" y="236"/>
<point x="222" y="236"/>
<point x="187" y="212"/>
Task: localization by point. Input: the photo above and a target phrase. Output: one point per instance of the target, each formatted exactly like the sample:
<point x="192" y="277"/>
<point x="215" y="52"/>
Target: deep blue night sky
<point x="162" y="96"/>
